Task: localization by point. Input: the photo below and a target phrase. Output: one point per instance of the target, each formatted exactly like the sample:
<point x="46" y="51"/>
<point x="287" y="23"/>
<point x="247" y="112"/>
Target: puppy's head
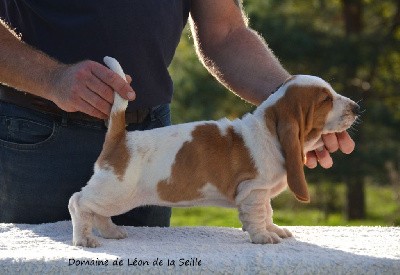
<point x="299" y="112"/>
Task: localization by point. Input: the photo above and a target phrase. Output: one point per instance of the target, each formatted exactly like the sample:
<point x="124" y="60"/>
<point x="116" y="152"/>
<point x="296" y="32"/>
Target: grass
<point x="380" y="206"/>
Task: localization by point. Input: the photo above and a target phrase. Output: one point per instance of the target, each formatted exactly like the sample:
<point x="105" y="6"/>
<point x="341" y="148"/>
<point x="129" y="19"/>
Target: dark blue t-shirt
<point x="141" y="34"/>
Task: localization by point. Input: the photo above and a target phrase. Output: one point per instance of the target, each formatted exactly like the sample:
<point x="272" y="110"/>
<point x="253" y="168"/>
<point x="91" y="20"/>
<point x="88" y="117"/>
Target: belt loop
<point x="64" y="119"/>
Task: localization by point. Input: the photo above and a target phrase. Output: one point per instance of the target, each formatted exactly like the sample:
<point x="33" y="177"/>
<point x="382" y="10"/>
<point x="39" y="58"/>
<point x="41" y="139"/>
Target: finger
<point x="324" y="158"/>
<point x="96" y="85"/>
<point x="311" y="161"/>
<point x="97" y="102"/>
<point x="113" y="80"/>
<point x="128" y="78"/>
<point x="331" y="142"/>
<point x="346" y="143"/>
<point x="88" y="109"/>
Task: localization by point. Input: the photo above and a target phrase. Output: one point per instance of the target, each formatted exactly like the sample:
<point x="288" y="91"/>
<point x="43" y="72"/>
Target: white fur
<point x="119" y="102"/>
<point x="153" y="154"/>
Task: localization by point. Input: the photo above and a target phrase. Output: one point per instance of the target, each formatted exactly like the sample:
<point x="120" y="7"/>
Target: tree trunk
<point x="355" y="208"/>
<point x="352" y="15"/>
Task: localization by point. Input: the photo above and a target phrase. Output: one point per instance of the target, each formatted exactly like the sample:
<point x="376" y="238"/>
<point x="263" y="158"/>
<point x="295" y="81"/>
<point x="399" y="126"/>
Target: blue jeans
<point x="44" y="159"/>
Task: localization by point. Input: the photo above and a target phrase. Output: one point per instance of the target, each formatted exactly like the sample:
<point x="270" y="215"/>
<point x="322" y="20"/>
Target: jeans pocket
<point x="24" y="129"/>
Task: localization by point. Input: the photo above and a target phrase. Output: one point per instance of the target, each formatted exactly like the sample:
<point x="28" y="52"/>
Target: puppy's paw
<point x="114" y="232"/>
<point x="281" y="232"/>
<point x="86" y="242"/>
<point x="265" y="237"/>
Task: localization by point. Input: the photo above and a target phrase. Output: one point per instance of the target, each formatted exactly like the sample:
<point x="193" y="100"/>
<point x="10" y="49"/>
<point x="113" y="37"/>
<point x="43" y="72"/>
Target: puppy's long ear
<point x="291" y="137"/>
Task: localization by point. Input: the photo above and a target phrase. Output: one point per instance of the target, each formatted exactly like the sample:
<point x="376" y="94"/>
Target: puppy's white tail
<point x="116" y="123"/>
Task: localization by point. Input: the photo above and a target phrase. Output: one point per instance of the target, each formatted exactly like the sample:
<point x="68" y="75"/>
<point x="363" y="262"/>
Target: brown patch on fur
<point x="221" y="160"/>
<point x="115" y="153"/>
<point x="295" y="118"/>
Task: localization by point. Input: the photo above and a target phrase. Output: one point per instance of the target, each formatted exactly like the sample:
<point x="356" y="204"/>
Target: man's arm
<point x="236" y="55"/>
<point x="240" y="59"/>
<point x="86" y="86"/>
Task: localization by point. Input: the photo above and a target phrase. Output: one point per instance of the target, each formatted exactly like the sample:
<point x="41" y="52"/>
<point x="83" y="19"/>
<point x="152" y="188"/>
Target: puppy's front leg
<point x="253" y="215"/>
<point x="271" y="227"/>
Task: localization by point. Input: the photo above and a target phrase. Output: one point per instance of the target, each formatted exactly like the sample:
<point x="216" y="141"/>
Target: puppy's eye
<point x="328" y="99"/>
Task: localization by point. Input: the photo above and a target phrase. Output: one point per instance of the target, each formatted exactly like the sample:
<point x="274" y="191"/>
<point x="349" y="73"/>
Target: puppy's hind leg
<point x="108" y="229"/>
<point x="82" y="222"/>
<point x="104" y="196"/>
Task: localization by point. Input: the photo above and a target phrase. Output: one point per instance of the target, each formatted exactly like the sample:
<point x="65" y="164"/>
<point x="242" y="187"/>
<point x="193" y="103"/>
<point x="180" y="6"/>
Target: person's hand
<point x="332" y="142"/>
<point x="88" y="87"/>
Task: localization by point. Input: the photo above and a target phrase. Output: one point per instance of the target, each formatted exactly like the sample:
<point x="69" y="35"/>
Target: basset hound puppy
<point x="241" y="163"/>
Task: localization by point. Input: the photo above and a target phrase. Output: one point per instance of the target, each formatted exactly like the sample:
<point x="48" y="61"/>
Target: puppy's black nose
<point x="356" y="109"/>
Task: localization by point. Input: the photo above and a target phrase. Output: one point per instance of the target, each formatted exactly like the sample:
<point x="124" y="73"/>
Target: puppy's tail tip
<point x="120" y="104"/>
<point x="116" y="122"/>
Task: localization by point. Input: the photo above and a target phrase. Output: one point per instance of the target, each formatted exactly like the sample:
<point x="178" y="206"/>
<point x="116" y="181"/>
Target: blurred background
<point x="354" y="45"/>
